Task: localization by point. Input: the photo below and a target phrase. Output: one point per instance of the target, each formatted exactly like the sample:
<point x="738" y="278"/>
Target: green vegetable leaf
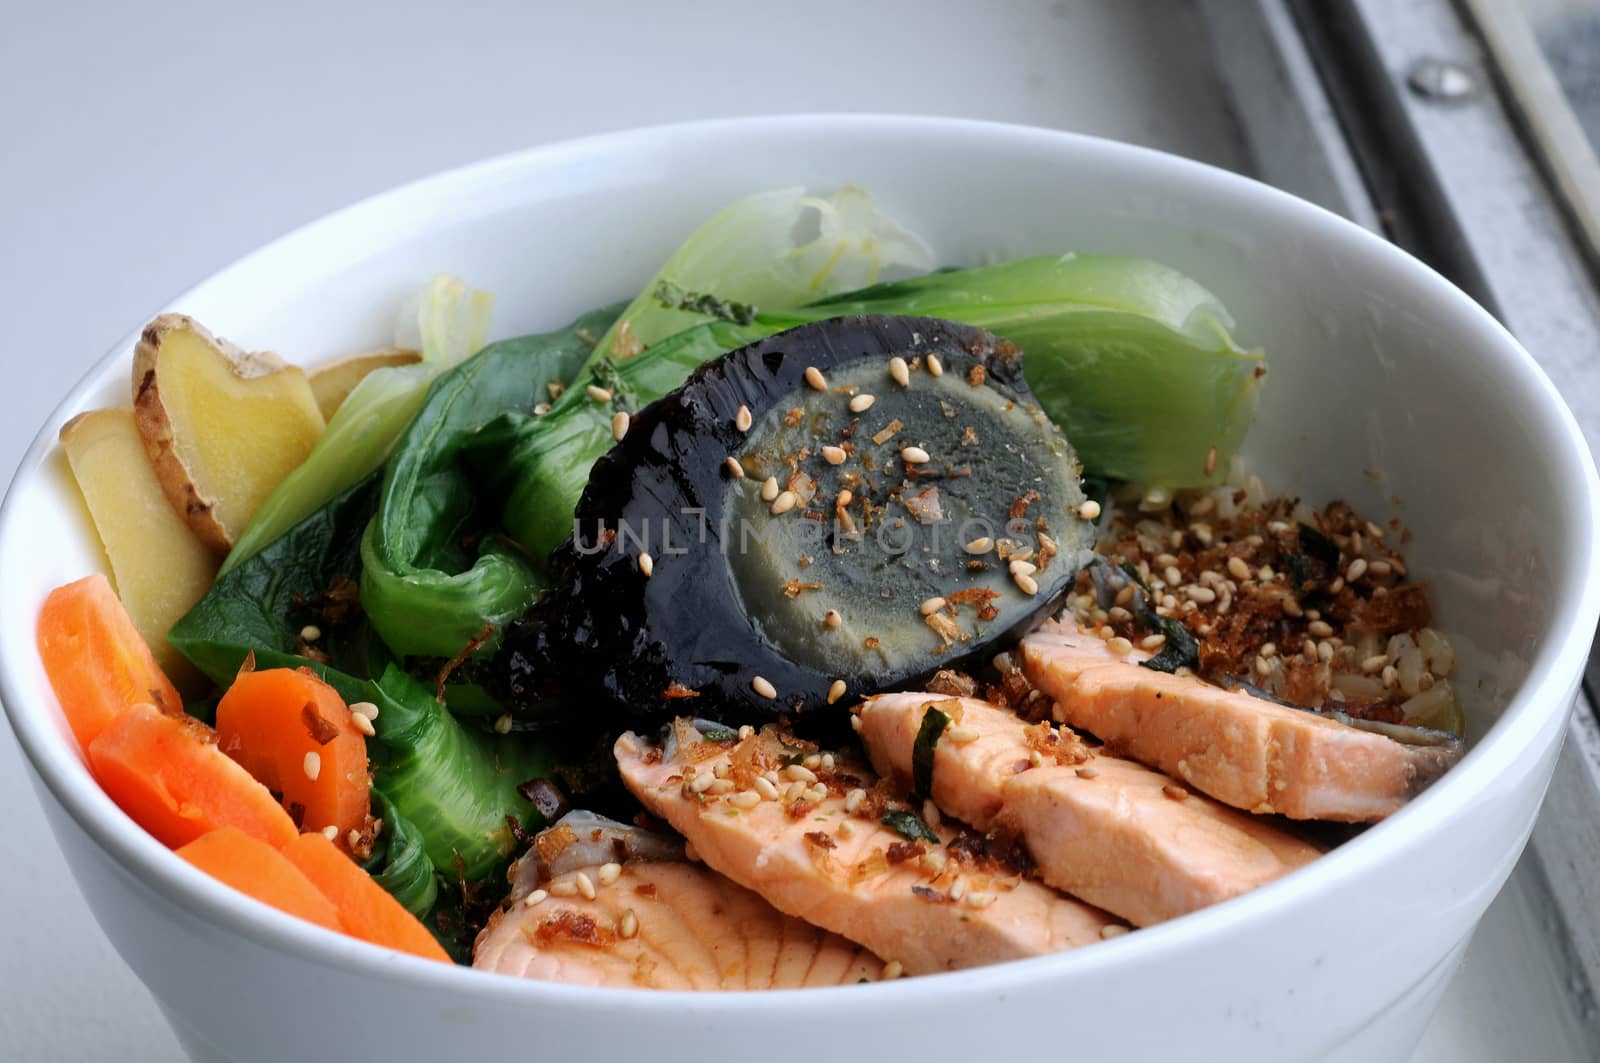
<point x="909" y="826"/>
<point x="934" y="722"/>
<point x="434" y="571"/>
<point x="399" y="863"/>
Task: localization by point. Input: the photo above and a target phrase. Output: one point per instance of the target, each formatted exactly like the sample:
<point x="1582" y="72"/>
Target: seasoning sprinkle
<point x="745" y="799"/>
<point x="735" y="470"/>
<point x="699" y="784"/>
<point x="784" y="503"/>
<point x="770" y="489"/>
<point x="362" y="724"/>
<point x="800" y="773"/>
<point x="331" y="832"/>
<point x="760" y="685"/>
<point x="1026" y="583"/>
<point x="312" y="765"/>
<point x="585" y="885"/>
<point x="835" y="691"/>
<point x="742" y="419"/>
<point x="764" y="786"/>
<point x="536" y="898"/>
<point x="364" y="708"/>
<point x="853" y="800"/>
<point x="914" y="455"/>
<point x="935" y="367"/>
<point x="1357" y="569"/>
<point x="628" y="925"/>
<point x="1022" y="568"/>
<point x="815" y="378"/>
<point x="961" y="735"/>
<point x="598" y="393"/>
<point x="899" y="372"/>
<point x="746" y="733"/>
<point x="981" y="545"/>
<point x="311" y="633"/>
<point x="609" y="873"/>
<point x="1090" y="510"/>
<point x="834" y="455"/>
<point x="619" y="425"/>
<point x="862" y="402"/>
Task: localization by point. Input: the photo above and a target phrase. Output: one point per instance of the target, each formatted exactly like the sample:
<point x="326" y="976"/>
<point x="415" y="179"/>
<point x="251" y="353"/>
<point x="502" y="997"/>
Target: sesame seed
<point x="935" y="367"/>
<point x="930" y="813"/>
<point x="1022" y="568"/>
<point x="862" y="402"/>
<point x="812" y="761"/>
<point x="1026" y="583"/>
<point x="746" y="733"/>
<point x="1325" y="651"/>
<point x="1036" y="758"/>
<point x="1211" y="461"/>
<point x="846" y="831"/>
<point x="585" y="885"/>
<point x="1119" y="646"/>
<point x="502" y="724"/>
<point x="834" y="455"/>
<point x="961" y="735"/>
<point x="609" y="873"/>
<point x="598" y="393"/>
<point x="855" y="724"/>
<point x="365" y="708"/>
<point x="310" y="633"/>
<point x="1197" y="593"/>
<point x="312" y="765"/>
<point x="1268" y="649"/>
<point x="742" y="419"/>
<point x="914" y="455"/>
<point x="722" y="769"/>
<point x="846" y="497"/>
<point x="1238" y="569"/>
<point x="931" y="606"/>
<point x="815" y="378"/>
<point x="958" y="888"/>
<point x="784" y="503"/>
<point x="331" y="832"/>
<point x="1374" y="663"/>
<point x="1165" y="560"/>
<point x="934" y="861"/>
<point x="628" y="925"/>
<point x="817" y="792"/>
<point x="1357" y="569"/>
<point x="765" y="788"/>
<point x="828" y="762"/>
<point x="1173" y="576"/>
<point x="1088" y="772"/>
<point x="981" y="545"/>
<point x="899" y="371"/>
<point x="770" y="489"/>
<point x="980" y="899"/>
<point x="1336" y="586"/>
<point x="892" y="970"/>
<point x="541" y="408"/>
<point x="535" y="898"/>
<point x="744" y="799"/>
<point x="1263" y="667"/>
<point x="1320" y="628"/>
<point x="761" y="686"/>
<point x="735" y="470"/>
<point x="362" y="724"/>
<point x="353" y="839"/>
<point x="647" y="565"/>
<point x="563" y="889"/>
<point x="1153" y="642"/>
<point x="800" y="773"/>
<point x="1390" y="675"/>
<point x="832" y="618"/>
<point x="1090" y="510"/>
<point x="1374" y="530"/>
<point x="853" y="799"/>
<point x="793" y="792"/>
<point x="1112" y="930"/>
<point x="700" y="784"/>
<point x="835" y="691"/>
<point x="1380" y="568"/>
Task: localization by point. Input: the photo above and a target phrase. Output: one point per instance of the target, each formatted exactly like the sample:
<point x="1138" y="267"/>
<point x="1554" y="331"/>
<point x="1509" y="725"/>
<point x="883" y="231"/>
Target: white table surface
<point x="145" y="145"/>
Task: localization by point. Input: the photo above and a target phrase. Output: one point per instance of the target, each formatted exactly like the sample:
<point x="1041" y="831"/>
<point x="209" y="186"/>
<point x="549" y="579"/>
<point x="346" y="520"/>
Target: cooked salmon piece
<point x="1242" y="750"/>
<point x="662" y="926"/>
<point x="1108" y="830"/>
<point x="813" y="841"/>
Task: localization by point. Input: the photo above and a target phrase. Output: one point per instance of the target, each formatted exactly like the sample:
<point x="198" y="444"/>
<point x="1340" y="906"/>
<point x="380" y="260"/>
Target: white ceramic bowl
<point x="1389" y="388"/>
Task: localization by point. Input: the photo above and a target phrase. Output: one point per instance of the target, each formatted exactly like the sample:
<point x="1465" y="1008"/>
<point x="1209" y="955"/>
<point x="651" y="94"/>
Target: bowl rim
<point x="1541" y="702"/>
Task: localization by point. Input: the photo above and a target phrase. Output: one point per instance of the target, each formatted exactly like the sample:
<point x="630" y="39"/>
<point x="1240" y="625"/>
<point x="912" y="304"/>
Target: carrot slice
<point x="293" y="732"/>
<point x="96" y="660"/>
<point x="366" y="910"/>
<point x="167" y="773"/>
<point x="253" y="867"/>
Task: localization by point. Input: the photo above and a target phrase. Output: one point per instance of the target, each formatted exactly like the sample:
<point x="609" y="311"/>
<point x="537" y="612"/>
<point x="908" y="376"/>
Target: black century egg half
<point x="861" y="501"/>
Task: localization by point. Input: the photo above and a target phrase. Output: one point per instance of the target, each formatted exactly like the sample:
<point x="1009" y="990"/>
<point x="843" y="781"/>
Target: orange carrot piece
<point x="167" y="773"/>
<point x="366" y="910"/>
<point x="293" y="732"/>
<point x="96" y="660"/>
<point x="253" y="867"/>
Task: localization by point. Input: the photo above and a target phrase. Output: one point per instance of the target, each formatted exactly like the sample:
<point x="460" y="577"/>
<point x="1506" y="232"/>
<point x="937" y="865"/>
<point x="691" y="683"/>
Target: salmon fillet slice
<point x="819" y="851"/>
<point x="663" y="926"/>
<point x="1242" y="750"/>
<point x="1108" y="830"/>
